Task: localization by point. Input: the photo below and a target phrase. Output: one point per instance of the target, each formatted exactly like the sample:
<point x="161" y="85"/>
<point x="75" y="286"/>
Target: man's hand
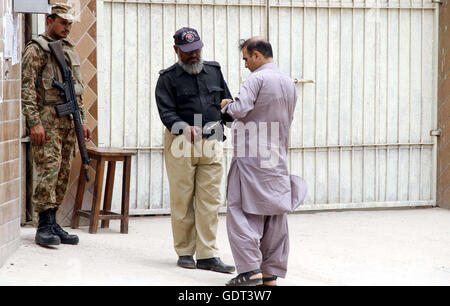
<point x="38" y="134"/>
<point x="192" y="133"/>
<point x="225" y="102"/>
<point x="87" y="133"/>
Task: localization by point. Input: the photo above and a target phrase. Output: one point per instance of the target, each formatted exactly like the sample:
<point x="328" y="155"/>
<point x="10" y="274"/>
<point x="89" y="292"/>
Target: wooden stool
<point x="101" y="155"/>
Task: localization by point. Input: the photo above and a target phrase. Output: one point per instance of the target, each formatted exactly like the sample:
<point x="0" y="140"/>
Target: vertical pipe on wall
<point x="435" y="100"/>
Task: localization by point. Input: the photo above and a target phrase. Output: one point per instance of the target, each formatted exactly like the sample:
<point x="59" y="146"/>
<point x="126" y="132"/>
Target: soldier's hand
<point x="87" y="133"/>
<point x="38" y="134"/>
<point x="225" y="102"/>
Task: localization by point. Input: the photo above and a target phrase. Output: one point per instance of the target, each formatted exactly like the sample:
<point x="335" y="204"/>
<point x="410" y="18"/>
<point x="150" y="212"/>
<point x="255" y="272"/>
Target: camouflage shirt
<point x="33" y="62"/>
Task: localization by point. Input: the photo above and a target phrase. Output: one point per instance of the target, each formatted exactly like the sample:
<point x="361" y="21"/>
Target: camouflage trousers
<point x="52" y="164"/>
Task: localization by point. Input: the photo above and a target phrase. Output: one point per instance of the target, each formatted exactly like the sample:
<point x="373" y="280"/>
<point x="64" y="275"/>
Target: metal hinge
<point x="435" y="132"/>
<point x="296" y="81"/>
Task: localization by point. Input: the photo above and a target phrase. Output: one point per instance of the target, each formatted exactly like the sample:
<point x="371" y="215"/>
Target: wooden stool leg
<point x="79" y="198"/>
<point x="97" y="199"/>
<point x="125" y="194"/>
<point x="109" y="186"/>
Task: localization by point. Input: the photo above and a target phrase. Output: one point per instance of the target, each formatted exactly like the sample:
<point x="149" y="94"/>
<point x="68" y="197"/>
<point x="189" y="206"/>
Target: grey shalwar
<point x="260" y="189"/>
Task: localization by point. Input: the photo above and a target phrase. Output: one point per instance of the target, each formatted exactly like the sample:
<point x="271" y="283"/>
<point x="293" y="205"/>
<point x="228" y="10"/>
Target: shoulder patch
<point x="212" y="63"/>
<point x="167" y="69"/>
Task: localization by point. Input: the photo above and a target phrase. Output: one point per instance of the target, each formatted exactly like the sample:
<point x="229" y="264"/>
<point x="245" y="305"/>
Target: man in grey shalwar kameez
<point x="260" y="189"/>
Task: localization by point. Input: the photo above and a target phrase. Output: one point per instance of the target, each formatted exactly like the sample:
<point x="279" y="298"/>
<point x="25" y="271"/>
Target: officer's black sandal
<point x="244" y="279"/>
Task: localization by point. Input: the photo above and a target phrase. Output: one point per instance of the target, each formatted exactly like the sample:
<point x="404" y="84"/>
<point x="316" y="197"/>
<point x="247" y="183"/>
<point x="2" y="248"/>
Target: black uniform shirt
<point x="180" y="95"/>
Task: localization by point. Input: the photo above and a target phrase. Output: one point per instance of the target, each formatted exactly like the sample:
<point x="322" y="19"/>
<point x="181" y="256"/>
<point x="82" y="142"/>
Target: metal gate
<point x="366" y="74"/>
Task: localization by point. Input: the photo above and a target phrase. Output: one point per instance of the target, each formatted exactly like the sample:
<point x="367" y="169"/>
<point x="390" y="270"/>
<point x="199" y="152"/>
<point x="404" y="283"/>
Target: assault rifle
<point x="67" y="90"/>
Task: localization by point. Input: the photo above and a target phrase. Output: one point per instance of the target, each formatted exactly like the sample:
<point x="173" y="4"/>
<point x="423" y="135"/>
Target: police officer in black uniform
<point x="188" y="96"/>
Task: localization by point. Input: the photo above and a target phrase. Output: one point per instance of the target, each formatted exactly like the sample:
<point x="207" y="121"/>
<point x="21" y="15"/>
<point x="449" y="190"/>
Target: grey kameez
<point x="260" y="189"/>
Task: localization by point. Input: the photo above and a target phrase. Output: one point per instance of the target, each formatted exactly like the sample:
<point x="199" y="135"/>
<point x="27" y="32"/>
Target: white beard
<point x="195" y="68"/>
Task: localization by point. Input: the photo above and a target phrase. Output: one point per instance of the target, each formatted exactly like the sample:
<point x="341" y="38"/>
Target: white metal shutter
<point x="366" y="73"/>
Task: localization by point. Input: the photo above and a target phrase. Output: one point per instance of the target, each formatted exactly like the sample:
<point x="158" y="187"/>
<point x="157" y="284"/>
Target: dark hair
<point x="52" y="16"/>
<point x="260" y="45"/>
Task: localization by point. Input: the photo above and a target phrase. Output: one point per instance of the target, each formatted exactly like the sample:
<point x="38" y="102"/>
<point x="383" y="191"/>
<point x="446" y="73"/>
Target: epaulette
<point x="212" y="63"/>
<point x="167" y="69"/>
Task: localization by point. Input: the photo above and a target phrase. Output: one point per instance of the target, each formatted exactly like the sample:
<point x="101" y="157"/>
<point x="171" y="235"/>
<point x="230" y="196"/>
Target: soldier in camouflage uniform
<point x="53" y="139"/>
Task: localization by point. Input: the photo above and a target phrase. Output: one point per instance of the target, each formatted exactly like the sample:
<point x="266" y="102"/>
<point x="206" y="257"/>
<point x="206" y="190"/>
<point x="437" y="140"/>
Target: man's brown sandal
<point x="244" y="279"/>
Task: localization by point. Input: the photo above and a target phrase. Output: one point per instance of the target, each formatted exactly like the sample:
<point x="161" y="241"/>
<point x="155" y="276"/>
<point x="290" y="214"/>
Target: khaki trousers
<point x="194" y="175"/>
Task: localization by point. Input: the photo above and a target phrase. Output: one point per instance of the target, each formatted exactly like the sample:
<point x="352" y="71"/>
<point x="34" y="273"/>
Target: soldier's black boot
<point x="45" y="235"/>
<point x="65" y="237"/>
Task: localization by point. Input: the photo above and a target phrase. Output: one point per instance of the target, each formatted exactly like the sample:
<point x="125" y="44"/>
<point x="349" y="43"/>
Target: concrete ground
<point x="378" y="247"/>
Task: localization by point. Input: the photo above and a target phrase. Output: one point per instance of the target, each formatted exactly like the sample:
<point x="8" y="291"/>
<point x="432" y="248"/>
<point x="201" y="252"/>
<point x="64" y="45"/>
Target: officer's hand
<point x="38" y="134"/>
<point x="192" y="133"/>
<point x="87" y="133"/>
<point x="225" y="102"/>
